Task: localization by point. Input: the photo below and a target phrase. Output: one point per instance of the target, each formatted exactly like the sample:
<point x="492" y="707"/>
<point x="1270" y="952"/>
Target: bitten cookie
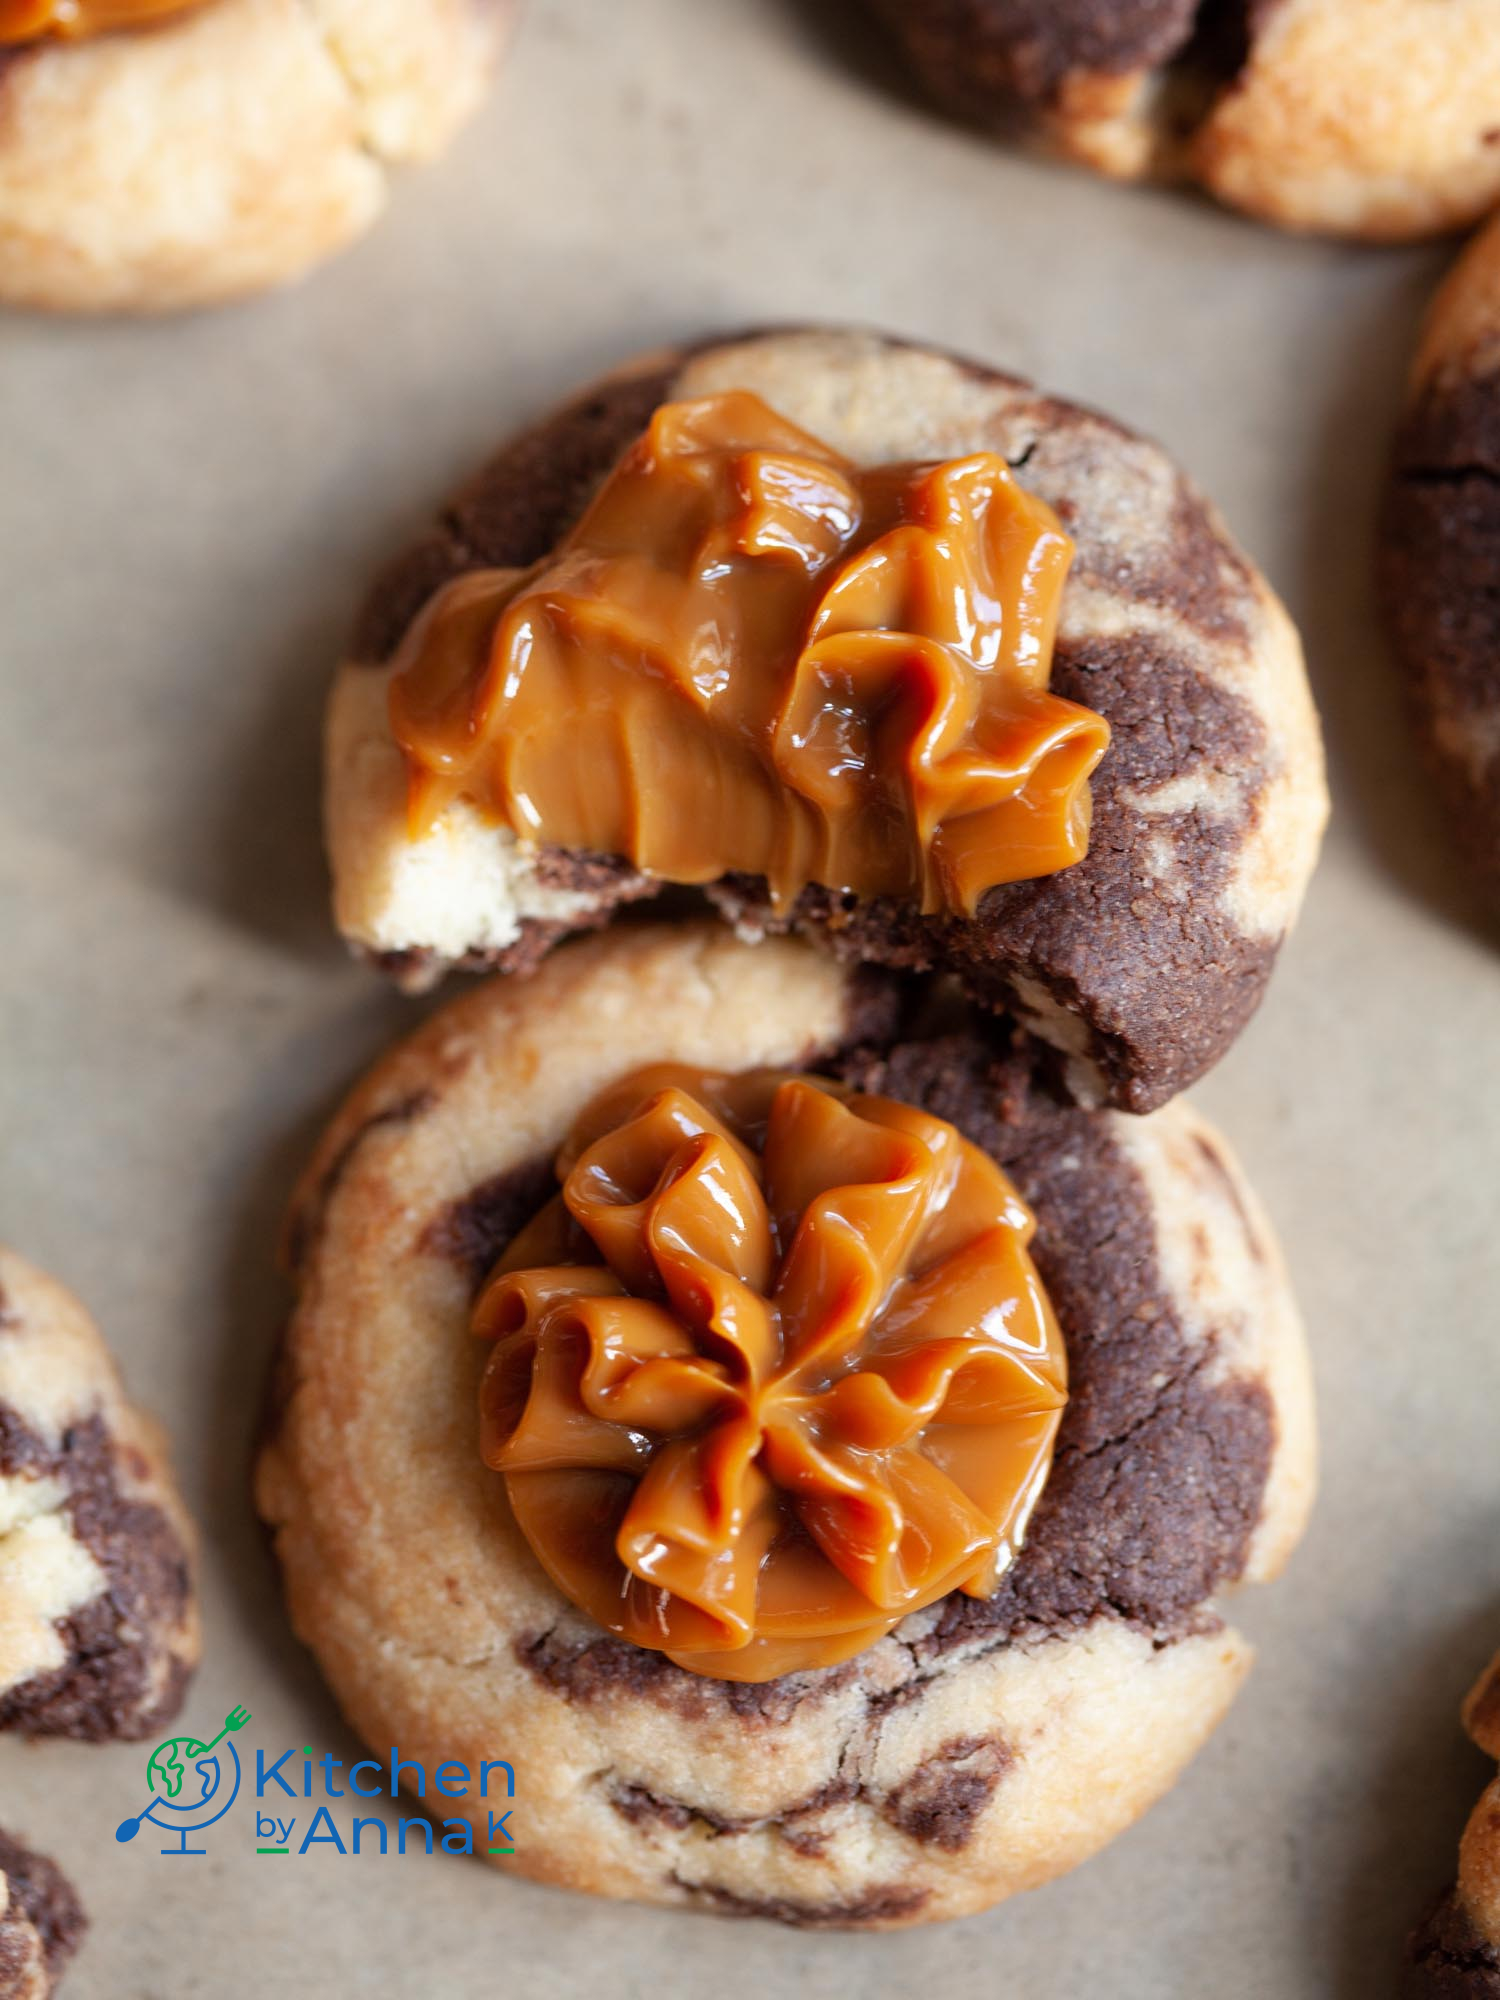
<point x="1439" y="556"/>
<point x="41" y="1922"/>
<point x="98" y="1619"/>
<point x="224" y="149"/>
<point x="1455" y="1955"/>
<point x="1141" y="963"/>
<point x="1371" y="118"/>
<point x="989" y="1742"/>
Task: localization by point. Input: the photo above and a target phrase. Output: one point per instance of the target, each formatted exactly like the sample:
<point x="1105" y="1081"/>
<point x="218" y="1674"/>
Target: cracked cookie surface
<point x="225" y="150"/>
<point x="987" y="1744"/>
<point x="41" y="1922"/>
<point x="1439" y="555"/>
<point x="98" y="1618"/>
<point x="1370" y="118"/>
<point x="1455" y="1953"/>
<point x="1139" y="965"/>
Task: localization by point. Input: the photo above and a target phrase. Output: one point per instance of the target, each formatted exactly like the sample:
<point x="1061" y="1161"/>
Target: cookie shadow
<point x="268" y="874"/>
<point x="1375" y="772"/>
<point x="843" y="37"/>
<point x="1423" y="1787"/>
<point x="257" y="1305"/>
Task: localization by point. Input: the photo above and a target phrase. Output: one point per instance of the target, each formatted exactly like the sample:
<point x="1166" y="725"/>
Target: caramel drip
<point x="752" y="656"/>
<point x="773" y="1370"/>
<point x="74" y="20"/>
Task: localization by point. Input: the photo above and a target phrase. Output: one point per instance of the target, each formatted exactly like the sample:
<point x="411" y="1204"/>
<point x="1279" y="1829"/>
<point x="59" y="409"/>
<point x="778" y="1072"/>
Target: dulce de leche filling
<point x="72" y="20"/>
<point x="753" y="656"/>
<point x="771" y="1371"/>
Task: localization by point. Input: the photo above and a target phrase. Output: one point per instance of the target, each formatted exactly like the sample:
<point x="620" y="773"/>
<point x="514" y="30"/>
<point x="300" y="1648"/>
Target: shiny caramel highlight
<point x="753" y="656"/>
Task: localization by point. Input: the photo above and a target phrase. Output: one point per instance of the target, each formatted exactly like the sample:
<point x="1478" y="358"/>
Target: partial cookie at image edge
<point x="99" y="1634"/>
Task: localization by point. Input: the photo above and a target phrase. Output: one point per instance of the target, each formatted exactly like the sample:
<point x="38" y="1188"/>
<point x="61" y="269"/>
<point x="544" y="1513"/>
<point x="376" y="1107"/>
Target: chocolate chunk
<point x="1448" y="1959"/>
<point x="108" y="1686"/>
<point x="473" y="1232"/>
<point x="597" y="1669"/>
<point x="940" y="1803"/>
<point x="642" y="1807"/>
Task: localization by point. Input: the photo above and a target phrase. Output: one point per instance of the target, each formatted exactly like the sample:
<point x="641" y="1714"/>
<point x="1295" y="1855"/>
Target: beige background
<point x="187" y="512"/>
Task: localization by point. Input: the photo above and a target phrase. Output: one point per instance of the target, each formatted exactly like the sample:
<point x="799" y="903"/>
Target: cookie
<point x="1140" y="964"/>
<point x="991" y="1741"/>
<point x="224" y="149"/>
<point x="1455" y="1955"/>
<point x="98" y="1617"/>
<point x="41" y="1922"/>
<point x="1439" y="553"/>
<point x="1370" y="118"/>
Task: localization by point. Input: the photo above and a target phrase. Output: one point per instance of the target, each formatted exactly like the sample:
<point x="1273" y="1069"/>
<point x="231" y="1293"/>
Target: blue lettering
<point x="462" y="1835"/>
<point x="426" y="1827"/>
<point x="400" y="1764"/>
<point x="379" y="1826"/>
<point x="500" y="1833"/>
<point x="493" y="1764"/>
<point x="368" y="1764"/>
<point x="451" y="1788"/>
<point x="312" y="1837"/>
<point x="331" y="1764"/>
<point x="264" y="1775"/>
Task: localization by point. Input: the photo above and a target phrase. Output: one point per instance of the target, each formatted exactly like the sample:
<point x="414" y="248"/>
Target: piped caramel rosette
<point x="75" y="20"/>
<point x="772" y="1370"/>
<point x="752" y="656"/>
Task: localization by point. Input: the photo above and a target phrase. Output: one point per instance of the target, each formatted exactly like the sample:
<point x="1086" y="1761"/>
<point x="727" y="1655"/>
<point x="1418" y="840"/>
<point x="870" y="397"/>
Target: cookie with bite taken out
<point x="1021" y="713"/>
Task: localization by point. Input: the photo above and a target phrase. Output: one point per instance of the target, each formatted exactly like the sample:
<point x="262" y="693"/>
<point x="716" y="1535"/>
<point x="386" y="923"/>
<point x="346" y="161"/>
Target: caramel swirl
<point x="73" y="20"/>
<point x="752" y="656"/>
<point x="771" y="1371"/>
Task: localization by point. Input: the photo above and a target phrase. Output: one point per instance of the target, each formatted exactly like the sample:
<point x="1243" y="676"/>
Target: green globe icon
<point x="183" y="1773"/>
<point x="193" y="1784"/>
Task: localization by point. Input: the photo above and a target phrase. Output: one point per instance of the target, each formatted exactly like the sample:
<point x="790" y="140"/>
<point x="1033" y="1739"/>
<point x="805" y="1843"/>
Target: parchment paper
<point x="188" y="512"/>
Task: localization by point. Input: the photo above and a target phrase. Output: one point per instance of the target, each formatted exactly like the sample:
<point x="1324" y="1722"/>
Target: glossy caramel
<point x="754" y="656"/>
<point x="773" y="1370"/>
<point x="74" y="20"/>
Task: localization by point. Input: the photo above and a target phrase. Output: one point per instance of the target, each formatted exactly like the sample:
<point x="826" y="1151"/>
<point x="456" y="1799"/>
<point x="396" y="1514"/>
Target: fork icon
<point x="236" y="1719"/>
